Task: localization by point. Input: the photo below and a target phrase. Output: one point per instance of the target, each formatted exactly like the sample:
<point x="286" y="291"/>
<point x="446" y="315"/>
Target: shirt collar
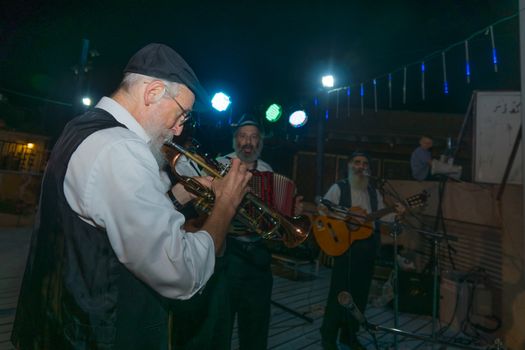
<point x="123" y="116"/>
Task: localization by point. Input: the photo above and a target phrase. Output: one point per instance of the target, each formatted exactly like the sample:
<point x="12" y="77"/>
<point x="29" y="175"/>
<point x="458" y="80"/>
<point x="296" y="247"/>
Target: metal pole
<point x="77" y="104"/>
<point x="320" y="145"/>
<point x="395" y="285"/>
<point x="522" y="75"/>
<point x="435" y="291"/>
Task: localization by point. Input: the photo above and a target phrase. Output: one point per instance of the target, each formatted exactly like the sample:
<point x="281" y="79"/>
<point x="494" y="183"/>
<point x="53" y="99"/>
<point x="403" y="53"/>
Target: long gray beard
<point x="357" y="182"/>
<point x="158" y="137"/>
<point x="156" y="150"/>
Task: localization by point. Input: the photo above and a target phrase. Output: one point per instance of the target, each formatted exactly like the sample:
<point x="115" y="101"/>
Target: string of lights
<point x="423" y="62"/>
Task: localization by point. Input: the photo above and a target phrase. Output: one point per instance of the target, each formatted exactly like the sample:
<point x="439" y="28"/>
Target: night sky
<point x="255" y="51"/>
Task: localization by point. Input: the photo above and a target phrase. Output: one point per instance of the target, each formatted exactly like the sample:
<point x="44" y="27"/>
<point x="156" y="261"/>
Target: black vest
<point x="75" y="293"/>
<point x="346" y="199"/>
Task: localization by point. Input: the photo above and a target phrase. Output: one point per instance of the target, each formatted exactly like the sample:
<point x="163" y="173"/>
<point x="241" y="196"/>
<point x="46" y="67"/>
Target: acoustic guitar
<point x="336" y="234"/>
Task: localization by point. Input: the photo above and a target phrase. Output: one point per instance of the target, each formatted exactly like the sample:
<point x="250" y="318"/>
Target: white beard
<point x="158" y="154"/>
<point x="250" y="158"/>
<point x="158" y="136"/>
<point x="357" y="182"/>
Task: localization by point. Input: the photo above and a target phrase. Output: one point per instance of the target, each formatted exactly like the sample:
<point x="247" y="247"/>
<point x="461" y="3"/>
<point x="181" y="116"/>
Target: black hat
<point x="359" y="153"/>
<point x="247" y="119"/>
<point x="161" y="61"/>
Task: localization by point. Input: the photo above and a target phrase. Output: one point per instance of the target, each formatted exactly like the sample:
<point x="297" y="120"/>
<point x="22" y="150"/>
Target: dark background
<point x="257" y="52"/>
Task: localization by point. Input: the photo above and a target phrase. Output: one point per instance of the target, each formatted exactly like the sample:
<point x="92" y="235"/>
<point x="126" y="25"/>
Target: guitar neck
<point x="379" y="213"/>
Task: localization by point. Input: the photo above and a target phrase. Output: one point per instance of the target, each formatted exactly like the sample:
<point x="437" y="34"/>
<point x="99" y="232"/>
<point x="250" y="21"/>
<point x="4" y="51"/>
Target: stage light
<point x="328" y="81"/>
<point x="274" y="113"/>
<point x="220" y="101"/>
<point x="298" y="119"/>
<point x="86" y="101"/>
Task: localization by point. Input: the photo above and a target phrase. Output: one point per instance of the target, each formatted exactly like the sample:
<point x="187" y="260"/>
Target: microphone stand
<point x="395" y="230"/>
<point x="370" y="328"/>
<point x="293" y="312"/>
<point x="399" y="332"/>
<point x="436" y="239"/>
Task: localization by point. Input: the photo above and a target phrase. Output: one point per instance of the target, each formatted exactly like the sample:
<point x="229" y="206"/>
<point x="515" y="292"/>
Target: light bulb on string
<point x="445" y="82"/>
<point x="389" y="90"/>
<point x="362" y="93"/>
<point x="467" y="62"/>
<point x="337" y="105"/>
<point x="494" y="54"/>
<point x="423" y="80"/>
<point x="405" y="85"/>
<point x="375" y="95"/>
<point x="348" y="101"/>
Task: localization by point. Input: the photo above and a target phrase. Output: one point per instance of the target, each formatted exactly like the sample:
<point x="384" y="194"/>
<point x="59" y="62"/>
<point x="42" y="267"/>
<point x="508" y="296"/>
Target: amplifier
<point x="415" y="293"/>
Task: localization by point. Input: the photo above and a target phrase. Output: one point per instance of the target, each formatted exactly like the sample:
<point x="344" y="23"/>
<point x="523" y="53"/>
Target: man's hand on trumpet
<point x="229" y="192"/>
<point x="231" y="189"/>
<point x="183" y="196"/>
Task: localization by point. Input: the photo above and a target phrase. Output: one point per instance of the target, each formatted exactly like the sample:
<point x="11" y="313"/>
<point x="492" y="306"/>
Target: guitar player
<point x="353" y="270"/>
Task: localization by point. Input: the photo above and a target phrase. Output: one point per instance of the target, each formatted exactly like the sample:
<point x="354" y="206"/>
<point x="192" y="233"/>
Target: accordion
<point x="275" y="190"/>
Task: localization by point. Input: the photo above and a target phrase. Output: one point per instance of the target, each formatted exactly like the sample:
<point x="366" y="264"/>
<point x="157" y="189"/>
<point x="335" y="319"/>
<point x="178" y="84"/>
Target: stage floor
<point x="303" y="292"/>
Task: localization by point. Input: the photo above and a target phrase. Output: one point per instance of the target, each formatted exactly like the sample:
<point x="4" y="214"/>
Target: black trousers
<point x="250" y="284"/>
<point x="352" y="272"/>
<point x="203" y="321"/>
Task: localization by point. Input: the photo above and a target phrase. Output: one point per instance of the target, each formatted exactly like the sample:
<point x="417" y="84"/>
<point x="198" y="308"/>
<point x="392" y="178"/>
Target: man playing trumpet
<point x="108" y="242"/>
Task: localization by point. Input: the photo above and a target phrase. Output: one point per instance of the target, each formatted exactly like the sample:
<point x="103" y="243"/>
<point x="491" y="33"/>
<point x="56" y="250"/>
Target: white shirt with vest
<point x="113" y="182"/>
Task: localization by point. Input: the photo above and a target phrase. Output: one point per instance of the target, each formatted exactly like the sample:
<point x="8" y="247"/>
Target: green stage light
<point x="274" y="112"/>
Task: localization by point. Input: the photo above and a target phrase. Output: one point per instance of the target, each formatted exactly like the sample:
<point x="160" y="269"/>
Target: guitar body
<point x="335" y="236"/>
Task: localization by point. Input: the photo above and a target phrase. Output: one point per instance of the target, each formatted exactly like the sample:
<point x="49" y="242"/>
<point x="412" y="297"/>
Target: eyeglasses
<point x="186" y="114"/>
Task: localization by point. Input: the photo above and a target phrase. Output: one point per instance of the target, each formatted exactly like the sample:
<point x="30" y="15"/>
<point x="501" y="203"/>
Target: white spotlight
<point x="298" y="119"/>
<point x="220" y="101"/>
<point x="328" y="81"/>
<point x="86" y="101"/>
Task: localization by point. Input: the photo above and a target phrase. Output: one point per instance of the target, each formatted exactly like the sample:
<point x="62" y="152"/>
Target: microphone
<point x="345" y="300"/>
<point x="325" y="202"/>
<point x="368" y="174"/>
<point x="330" y="205"/>
<point x="377" y="181"/>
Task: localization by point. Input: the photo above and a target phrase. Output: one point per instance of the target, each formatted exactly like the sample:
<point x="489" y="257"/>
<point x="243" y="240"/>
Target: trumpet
<point x="252" y="212"/>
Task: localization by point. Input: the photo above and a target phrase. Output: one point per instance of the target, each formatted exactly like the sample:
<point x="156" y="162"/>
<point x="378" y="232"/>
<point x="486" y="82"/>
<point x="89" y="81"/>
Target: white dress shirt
<point x="360" y="198"/>
<point x="113" y="182"/>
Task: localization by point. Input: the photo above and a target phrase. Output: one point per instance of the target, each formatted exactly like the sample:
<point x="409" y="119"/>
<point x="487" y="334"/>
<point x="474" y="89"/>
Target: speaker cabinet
<point x="415" y="293"/>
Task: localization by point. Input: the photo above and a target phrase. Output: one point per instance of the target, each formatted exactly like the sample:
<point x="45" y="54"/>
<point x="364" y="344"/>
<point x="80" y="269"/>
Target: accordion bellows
<point x="275" y="190"/>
